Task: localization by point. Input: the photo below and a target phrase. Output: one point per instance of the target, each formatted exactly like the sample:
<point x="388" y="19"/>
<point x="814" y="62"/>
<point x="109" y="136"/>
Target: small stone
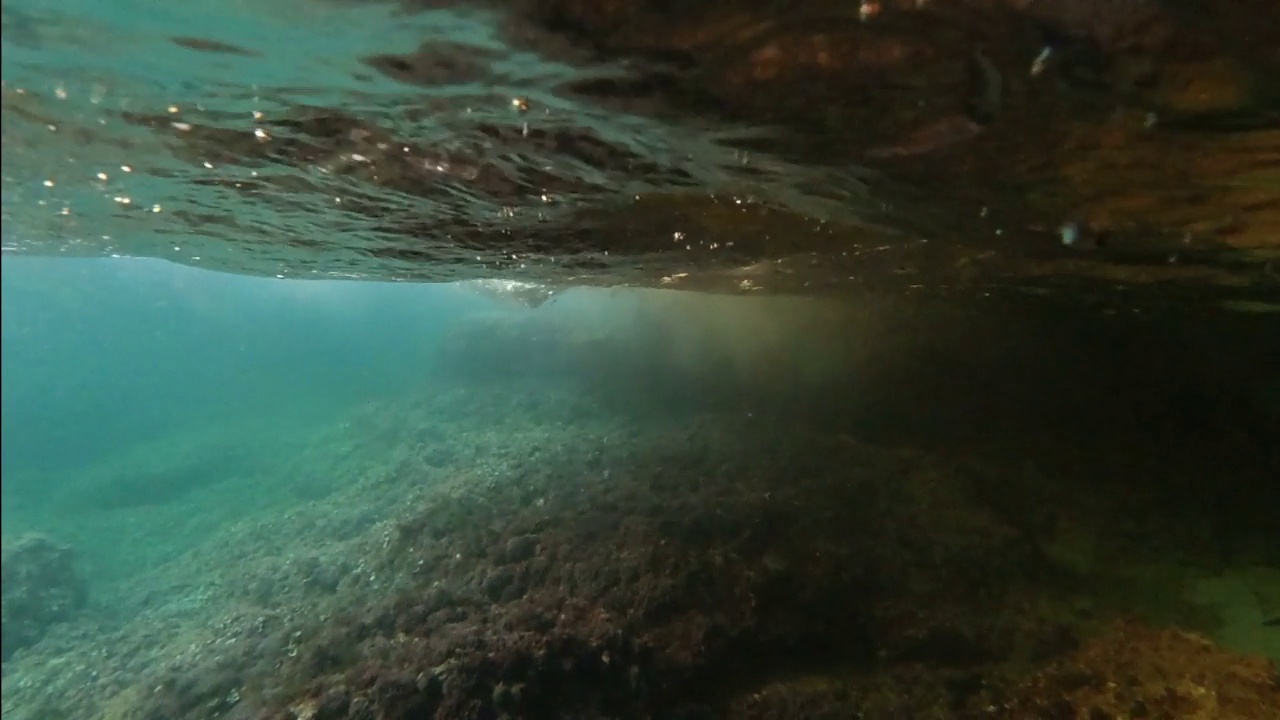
<point x="521" y="548"/>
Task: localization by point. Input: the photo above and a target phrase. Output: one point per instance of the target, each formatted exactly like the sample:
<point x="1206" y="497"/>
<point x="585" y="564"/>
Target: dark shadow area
<point x="1168" y="412"/>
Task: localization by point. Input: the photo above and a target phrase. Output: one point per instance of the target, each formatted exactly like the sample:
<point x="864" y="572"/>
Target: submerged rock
<point x="1136" y="671"/>
<point x="41" y="587"/>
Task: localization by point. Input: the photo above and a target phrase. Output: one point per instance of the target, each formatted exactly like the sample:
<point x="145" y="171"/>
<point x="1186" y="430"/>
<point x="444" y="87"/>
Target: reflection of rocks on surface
<point x="40" y="588"/>
<point x="637" y="122"/>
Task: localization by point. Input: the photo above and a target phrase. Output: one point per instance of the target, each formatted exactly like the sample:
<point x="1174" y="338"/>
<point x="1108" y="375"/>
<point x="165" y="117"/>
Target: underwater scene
<point x="556" y="359"/>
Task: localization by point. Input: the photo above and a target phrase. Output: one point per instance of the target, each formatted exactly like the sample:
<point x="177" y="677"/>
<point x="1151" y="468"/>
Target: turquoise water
<point x="133" y="385"/>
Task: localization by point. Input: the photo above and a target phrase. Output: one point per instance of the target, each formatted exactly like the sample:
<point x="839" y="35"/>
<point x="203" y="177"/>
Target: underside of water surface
<point x="748" y="359"/>
<point x="779" y="147"/>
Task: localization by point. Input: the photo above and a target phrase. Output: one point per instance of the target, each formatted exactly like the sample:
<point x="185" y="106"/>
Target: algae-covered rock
<point x="1135" y="671"/>
<point x="40" y="588"/>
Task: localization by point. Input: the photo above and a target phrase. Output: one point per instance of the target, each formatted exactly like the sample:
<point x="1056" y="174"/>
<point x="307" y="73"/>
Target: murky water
<point x="883" y="359"/>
